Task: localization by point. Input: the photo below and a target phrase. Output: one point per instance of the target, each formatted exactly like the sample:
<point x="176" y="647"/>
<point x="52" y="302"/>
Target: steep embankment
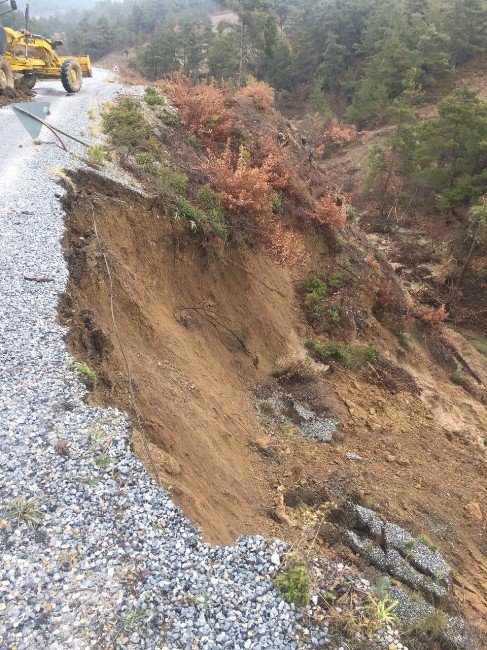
<point x="202" y="328"/>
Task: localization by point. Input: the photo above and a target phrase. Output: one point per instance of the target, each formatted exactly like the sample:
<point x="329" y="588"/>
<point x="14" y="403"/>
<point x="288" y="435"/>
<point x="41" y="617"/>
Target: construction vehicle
<point x="25" y="57"/>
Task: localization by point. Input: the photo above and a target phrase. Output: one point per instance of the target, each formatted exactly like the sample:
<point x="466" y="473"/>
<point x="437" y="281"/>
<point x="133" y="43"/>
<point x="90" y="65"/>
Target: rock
<point x="398" y="567"/>
<point x="351" y="456"/>
<point x="280" y="515"/>
<point x="415" y="611"/>
<point x="275" y="559"/>
<point x="374" y="554"/>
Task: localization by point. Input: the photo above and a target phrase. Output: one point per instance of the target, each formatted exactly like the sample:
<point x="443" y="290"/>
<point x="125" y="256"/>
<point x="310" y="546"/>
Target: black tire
<point x="28" y="81"/>
<point x="6" y="76"/>
<point x="71" y="76"/>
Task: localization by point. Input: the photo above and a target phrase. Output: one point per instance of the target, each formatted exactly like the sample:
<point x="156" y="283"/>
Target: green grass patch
<point x="98" y="154"/>
<point x="426" y="541"/>
<point x="25" y="510"/>
<point x="351" y="356"/>
<point x="405" y="341"/>
<point x="431" y="628"/>
<point x="84" y="370"/>
<point x="481" y="346"/>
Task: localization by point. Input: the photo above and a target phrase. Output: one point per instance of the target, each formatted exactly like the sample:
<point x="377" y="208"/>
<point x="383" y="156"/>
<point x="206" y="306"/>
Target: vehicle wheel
<point x="28" y="81"/>
<point x="6" y="76"/>
<point x="71" y="76"/>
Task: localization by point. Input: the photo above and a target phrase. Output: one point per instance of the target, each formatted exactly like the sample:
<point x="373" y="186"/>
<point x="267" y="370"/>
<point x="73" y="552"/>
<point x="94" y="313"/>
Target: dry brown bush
<point x="340" y="134"/>
<point x="202" y="108"/>
<point x="245" y="190"/>
<point x="261" y="94"/>
<point x="434" y="317"/>
<point x="329" y="213"/>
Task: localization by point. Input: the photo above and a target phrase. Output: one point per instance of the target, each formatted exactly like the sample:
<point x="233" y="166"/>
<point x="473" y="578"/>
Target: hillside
<point x="426" y="246"/>
<point x="279" y="369"/>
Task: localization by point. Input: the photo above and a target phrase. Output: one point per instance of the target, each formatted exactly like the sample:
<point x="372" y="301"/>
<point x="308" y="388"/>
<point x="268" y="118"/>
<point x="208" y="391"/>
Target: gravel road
<point x="112" y="562"/>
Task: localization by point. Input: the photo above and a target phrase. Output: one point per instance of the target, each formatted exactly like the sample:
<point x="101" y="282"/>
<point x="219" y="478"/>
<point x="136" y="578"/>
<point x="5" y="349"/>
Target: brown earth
<point x="19" y="95"/>
<point x="202" y="334"/>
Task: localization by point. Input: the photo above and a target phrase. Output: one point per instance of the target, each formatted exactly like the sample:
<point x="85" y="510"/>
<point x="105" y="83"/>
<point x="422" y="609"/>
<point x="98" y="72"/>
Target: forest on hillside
<point x="354" y="58"/>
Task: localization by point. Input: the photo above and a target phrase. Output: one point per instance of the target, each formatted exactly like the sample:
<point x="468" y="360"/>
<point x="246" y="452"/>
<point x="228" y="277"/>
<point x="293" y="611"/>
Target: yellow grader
<point x="25" y="57"/>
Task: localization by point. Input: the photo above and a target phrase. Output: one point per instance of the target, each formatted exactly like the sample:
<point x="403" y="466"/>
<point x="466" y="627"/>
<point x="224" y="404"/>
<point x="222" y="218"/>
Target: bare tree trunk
<point x="468" y="259"/>
<point x="241" y="57"/>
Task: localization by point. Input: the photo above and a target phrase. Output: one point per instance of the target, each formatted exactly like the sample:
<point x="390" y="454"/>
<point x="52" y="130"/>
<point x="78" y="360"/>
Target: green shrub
<point x="379" y="256"/>
<point x="171" y="184"/>
<point x="315" y="292"/>
<point x="459" y="379"/>
<point x="128" y="130"/>
<point x="152" y="97"/>
<point x="171" y="119"/>
<point x="147" y="162"/>
<point x="335" y="281"/>
<point x="211" y="222"/>
<point x="371" y="354"/>
<point x="333" y="316"/>
<point x="294" y="583"/>
<point x="277" y="203"/>
<point x="192" y="140"/>
<point x="351" y="356"/>
<point x="351" y="214"/>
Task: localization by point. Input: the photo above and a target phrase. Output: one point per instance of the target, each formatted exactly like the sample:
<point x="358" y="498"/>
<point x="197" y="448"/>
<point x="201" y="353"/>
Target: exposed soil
<point x="9" y="96"/>
<point x="202" y="335"/>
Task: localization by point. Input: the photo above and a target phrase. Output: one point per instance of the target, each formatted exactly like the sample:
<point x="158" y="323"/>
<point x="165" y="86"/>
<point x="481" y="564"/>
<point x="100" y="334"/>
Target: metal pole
<point x="51" y="128"/>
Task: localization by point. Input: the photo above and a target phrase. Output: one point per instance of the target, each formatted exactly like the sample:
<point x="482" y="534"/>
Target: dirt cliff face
<point x="232" y="400"/>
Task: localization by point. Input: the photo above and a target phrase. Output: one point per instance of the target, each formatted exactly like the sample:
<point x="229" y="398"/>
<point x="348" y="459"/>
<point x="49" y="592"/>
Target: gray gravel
<point x="282" y="408"/>
<point x="113" y="561"/>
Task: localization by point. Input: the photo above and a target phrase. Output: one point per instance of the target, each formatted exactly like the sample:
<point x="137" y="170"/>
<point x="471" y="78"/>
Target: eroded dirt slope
<point x="202" y="336"/>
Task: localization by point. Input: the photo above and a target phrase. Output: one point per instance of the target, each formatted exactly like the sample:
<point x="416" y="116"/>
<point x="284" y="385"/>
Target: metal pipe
<point x="50" y="127"/>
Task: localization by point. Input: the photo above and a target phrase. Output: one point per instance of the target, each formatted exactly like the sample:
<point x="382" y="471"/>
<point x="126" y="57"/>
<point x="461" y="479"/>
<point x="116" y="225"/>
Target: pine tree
<point x="254" y="28"/>
<point x="448" y="154"/>
<point x="466" y="23"/>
